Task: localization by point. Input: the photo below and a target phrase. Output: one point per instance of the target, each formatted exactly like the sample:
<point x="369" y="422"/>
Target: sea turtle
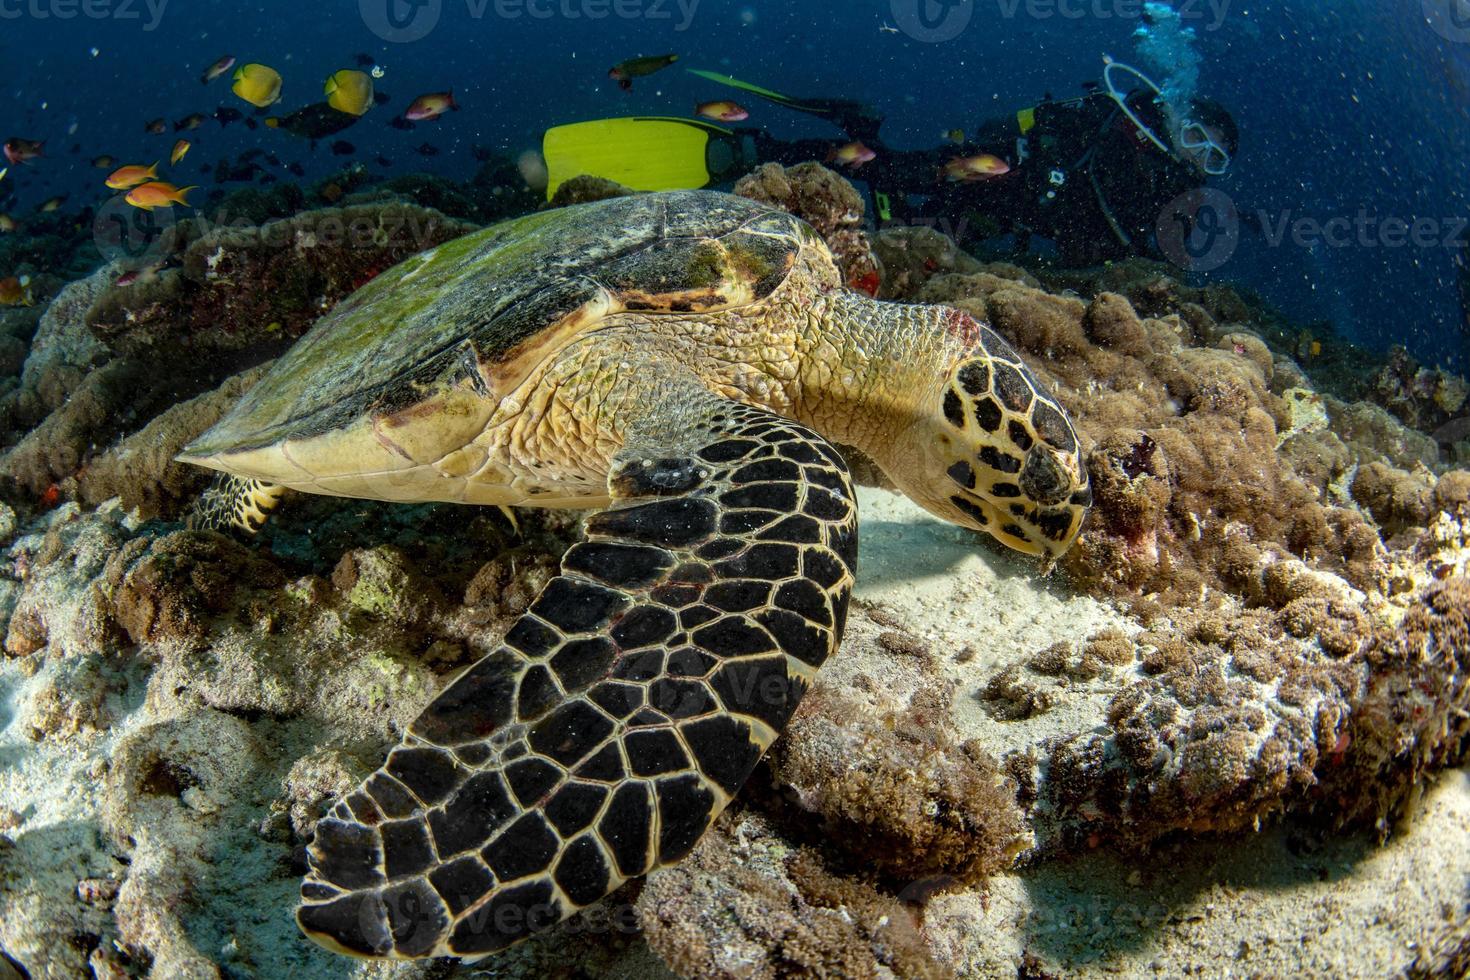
<point x="684" y="362"/>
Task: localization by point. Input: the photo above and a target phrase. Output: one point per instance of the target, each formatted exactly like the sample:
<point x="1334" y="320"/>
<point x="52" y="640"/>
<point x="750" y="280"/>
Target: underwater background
<point x="1345" y="108"/>
<point x="1226" y="733"/>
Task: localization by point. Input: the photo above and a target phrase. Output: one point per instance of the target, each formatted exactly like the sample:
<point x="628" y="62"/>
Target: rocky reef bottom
<point x="155" y="804"/>
<point x="1226" y="736"/>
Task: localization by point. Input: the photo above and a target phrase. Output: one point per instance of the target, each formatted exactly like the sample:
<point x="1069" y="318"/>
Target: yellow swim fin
<point x="646" y="153"/>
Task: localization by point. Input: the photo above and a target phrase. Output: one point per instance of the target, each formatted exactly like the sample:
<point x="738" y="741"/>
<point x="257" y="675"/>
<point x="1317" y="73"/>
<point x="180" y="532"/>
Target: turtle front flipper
<point x="234" y="501"/>
<point x="621" y="713"/>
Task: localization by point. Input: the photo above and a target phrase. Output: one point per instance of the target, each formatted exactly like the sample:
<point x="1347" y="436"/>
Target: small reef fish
<point x="224" y="64"/>
<point x="853" y="154"/>
<point x="180" y="148"/>
<point x="19" y="150"/>
<point x="430" y="106"/>
<point x="956" y="136"/>
<point x="350" y="91"/>
<point x="7" y="224"/>
<point x="724" y="111"/>
<point x="625" y="71"/>
<point x="16" y="291"/>
<point x="104" y="162"/>
<point x="192" y="121"/>
<point x="1307" y="347"/>
<point x="52" y="204"/>
<point x="224" y="115"/>
<point x="981" y="166"/>
<point x="125" y="178"/>
<point x="158" y="194"/>
<point x="155" y="126"/>
<point x="257" y="84"/>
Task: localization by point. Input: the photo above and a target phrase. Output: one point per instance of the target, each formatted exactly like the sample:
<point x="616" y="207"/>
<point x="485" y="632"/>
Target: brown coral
<point x="903" y="796"/>
<point x="829" y="204"/>
<point x="1413" y="715"/>
<point x="747" y="904"/>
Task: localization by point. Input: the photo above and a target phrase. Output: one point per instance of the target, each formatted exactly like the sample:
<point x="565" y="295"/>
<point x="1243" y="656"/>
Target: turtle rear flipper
<point x="234" y="501"/>
<point x="622" y="711"/>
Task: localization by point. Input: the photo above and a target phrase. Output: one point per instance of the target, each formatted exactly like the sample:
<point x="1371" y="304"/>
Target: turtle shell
<point x="476" y="314"/>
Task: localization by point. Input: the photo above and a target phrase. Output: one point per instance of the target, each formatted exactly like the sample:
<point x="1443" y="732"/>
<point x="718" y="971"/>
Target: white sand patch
<point x="1279" y="903"/>
<point x="959" y="593"/>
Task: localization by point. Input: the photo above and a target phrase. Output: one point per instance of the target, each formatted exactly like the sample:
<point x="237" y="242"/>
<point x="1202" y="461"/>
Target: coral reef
<point x="827" y="202"/>
<point x="107" y="359"/>
<point x="748" y="903"/>
<point x="910" y="255"/>
<point x="1422" y="398"/>
<point x="243" y="290"/>
<point x="581" y="189"/>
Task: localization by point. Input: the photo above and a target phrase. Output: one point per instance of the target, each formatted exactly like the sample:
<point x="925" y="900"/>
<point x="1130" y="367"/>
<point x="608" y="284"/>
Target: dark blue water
<point x="1354" y="110"/>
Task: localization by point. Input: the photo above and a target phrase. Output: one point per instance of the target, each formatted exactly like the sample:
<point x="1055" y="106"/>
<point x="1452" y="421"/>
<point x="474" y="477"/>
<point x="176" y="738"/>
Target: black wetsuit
<point x="1081" y="176"/>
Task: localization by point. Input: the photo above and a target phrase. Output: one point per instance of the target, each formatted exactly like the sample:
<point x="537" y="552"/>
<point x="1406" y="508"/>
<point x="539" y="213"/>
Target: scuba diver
<point x="1089" y="174"/>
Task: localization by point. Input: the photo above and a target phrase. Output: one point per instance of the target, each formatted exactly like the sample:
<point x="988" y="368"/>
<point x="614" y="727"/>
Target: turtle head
<point x="995" y="453"/>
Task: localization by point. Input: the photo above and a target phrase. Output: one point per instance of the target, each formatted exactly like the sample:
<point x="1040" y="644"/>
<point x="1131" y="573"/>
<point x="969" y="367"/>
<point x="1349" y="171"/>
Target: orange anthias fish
<point x="180" y="148"/>
<point x="431" y="106"/>
<point x="853" y="154"/>
<point x="131" y="176"/>
<point x="19" y="150"/>
<point x="15" y="291"/>
<point x="981" y="166"/>
<point x="725" y="111"/>
<point x="158" y="194"/>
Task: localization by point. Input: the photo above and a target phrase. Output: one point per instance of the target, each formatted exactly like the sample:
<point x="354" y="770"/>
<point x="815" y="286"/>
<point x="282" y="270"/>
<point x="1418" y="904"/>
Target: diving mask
<point x="1208" y="154"/>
